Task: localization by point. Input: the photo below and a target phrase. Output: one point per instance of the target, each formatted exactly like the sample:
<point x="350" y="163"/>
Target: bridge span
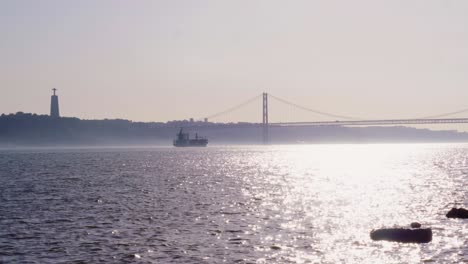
<point x="339" y="120"/>
<point x="376" y="122"/>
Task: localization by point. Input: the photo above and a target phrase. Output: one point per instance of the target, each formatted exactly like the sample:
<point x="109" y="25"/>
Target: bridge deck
<point x="376" y="122"/>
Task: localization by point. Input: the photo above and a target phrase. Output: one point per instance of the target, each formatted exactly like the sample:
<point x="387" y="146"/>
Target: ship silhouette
<point x="184" y="140"/>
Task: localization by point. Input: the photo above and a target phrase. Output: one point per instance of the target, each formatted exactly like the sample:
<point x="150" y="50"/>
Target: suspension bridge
<point x="336" y="119"/>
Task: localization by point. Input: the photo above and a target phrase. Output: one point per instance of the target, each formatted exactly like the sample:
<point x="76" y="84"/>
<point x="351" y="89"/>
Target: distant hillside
<point x="22" y="129"/>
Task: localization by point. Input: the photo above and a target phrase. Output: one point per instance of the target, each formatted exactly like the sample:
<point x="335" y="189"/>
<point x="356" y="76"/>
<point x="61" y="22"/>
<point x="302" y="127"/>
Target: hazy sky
<point x="164" y="60"/>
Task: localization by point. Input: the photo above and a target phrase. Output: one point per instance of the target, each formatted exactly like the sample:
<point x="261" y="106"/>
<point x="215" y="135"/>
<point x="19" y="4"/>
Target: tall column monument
<point x="54" y="105"/>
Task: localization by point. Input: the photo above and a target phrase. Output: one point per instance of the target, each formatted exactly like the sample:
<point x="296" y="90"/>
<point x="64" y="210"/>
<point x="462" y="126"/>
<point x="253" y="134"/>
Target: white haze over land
<point x="166" y="60"/>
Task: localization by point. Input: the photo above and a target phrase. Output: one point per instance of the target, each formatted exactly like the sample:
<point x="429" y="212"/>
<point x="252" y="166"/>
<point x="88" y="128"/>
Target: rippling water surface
<point x="275" y="204"/>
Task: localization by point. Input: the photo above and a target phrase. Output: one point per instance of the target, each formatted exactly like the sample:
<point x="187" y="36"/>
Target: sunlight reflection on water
<point x="274" y="204"/>
<point x="326" y="199"/>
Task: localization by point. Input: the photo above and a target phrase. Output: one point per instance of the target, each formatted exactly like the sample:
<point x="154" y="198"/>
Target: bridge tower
<point x="54" y="105"/>
<point x="265" y="118"/>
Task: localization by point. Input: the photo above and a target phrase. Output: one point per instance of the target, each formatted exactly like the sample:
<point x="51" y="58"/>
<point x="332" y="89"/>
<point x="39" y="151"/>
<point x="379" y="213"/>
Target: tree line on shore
<point x="32" y="129"/>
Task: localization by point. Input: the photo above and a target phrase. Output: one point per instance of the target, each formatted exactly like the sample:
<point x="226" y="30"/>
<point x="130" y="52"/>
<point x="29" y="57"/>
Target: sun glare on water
<point x="327" y="198"/>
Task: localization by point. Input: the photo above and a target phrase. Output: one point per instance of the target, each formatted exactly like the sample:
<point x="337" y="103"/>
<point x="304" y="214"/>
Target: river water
<point x="259" y="204"/>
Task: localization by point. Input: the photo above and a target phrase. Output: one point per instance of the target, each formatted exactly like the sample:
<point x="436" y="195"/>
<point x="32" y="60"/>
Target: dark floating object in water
<point x="275" y="247"/>
<point x="415" y="225"/>
<point x="403" y="235"/>
<point x="457" y="213"/>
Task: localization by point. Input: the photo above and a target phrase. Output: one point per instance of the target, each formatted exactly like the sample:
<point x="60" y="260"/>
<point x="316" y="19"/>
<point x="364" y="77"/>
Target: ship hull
<point x="191" y="143"/>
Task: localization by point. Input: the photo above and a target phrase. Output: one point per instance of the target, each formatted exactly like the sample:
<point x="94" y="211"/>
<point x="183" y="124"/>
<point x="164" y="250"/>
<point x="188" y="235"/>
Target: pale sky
<point x="165" y="60"/>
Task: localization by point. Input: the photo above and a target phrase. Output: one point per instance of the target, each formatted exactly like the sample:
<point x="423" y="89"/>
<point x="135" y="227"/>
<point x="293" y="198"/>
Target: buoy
<point x="403" y="235"/>
<point x="457" y="213"/>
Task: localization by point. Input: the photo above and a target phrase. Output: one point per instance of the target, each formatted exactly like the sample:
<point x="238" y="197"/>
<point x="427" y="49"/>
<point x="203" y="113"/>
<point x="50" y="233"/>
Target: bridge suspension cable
<point x="234" y="108"/>
<point x="313" y="110"/>
<point x="350" y="118"/>
<point x="445" y="114"/>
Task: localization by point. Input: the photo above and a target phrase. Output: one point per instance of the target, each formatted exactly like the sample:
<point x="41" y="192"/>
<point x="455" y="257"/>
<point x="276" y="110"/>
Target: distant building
<point x="191" y="120"/>
<point x="54" y="105"/>
<point x="206" y="120"/>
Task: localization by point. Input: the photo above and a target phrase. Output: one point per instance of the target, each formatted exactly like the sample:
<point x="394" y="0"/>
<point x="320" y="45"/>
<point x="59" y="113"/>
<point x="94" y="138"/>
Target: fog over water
<point x="259" y="204"/>
<point x="307" y="79"/>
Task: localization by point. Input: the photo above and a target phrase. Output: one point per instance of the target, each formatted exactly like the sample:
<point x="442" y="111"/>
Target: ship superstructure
<point x="184" y="140"/>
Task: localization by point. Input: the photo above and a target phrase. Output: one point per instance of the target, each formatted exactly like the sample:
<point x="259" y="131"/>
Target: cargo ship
<point x="184" y="140"/>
